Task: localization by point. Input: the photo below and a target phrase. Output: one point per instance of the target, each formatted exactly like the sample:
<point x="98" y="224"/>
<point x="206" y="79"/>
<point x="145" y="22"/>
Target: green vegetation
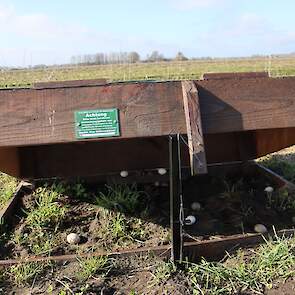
<point x="25" y="273"/>
<point x="163" y="272"/>
<point x="173" y="70"/>
<point x="123" y="198"/>
<point x="48" y="211"/>
<point x="8" y="185"/>
<point x="93" y="265"/>
<point x="114" y="228"/>
<point x="254" y="272"/>
<point x="42" y="222"/>
<point x="284" y="168"/>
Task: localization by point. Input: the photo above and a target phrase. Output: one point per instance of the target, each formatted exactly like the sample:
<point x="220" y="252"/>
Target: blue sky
<point x="34" y="31"/>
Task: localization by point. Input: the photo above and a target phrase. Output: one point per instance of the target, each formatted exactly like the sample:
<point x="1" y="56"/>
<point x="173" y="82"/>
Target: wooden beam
<point x="36" y="117"/>
<point x="233" y="105"/>
<point x="46" y="116"/>
<point x="243" y="75"/>
<point x="194" y="128"/>
<point x="72" y="83"/>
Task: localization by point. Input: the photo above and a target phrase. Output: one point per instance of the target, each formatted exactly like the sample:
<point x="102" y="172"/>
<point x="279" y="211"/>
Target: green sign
<point x="97" y="123"/>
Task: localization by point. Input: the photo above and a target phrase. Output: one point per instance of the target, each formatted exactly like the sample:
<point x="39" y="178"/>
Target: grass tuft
<point x="23" y="274"/>
<point x="93" y="265"/>
<point x="122" y="198"/>
<point x="8" y="186"/>
<point x="48" y="211"/>
<point x="256" y="272"/>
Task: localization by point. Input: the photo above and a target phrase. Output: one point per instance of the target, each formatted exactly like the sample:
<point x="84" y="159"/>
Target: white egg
<point x="124" y="173"/>
<point x="73" y="238"/>
<point x="260" y="228"/>
<point x="269" y="189"/>
<point x="157" y="183"/>
<point x="196" y="206"/>
<point x="190" y="220"/>
<point x="162" y="171"/>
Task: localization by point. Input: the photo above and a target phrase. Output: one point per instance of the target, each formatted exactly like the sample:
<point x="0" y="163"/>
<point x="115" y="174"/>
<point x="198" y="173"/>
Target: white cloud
<point x="36" y="25"/>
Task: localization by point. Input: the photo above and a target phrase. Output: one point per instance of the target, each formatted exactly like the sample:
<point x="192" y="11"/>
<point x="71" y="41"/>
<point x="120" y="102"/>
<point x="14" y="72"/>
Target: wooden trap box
<point x="92" y="128"/>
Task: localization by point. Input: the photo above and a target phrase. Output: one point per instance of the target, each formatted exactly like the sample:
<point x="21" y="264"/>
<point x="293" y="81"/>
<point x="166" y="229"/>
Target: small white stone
<point x="260" y="228"/>
<point x="162" y="171"/>
<point x="73" y="239"/>
<point x="124" y="173"/>
<point x="269" y="189"/>
<point x="190" y="220"/>
<point x="293" y="219"/>
<point x="196" y="206"/>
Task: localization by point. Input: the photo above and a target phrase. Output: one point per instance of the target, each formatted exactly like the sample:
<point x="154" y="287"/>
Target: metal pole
<point x="175" y="198"/>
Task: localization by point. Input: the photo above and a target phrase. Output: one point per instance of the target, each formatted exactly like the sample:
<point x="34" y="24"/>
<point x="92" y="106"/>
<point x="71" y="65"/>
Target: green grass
<point x="115" y="229"/>
<point x="23" y="274"/>
<point x="8" y="185"/>
<point x="92" y="266"/>
<point x="163" y="272"/>
<point x="174" y="70"/>
<point x="48" y="211"/>
<point x="122" y="198"/>
<point x="255" y="272"/>
<point x="284" y="168"/>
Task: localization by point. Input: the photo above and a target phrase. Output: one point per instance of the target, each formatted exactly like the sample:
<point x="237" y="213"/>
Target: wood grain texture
<point x="230" y="105"/>
<point x="35" y="117"/>
<point x="214" y="76"/>
<point x="72" y="83"/>
<point x="194" y="128"/>
<point x="9" y="161"/>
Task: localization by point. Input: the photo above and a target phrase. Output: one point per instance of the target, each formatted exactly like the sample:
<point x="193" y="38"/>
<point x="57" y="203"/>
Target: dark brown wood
<point x="216" y="249"/>
<point x="194" y="128"/>
<point x="8" y="209"/>
<point x="72" y="83"/>
<point x="9" y="161"/>
<point x="233" y="105"/>
<point x="35" y="117"/>
<point x="243" y="75"/>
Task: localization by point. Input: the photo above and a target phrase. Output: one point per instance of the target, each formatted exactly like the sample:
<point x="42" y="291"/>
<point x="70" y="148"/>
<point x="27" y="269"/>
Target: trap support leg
<point x="175" y="198"/>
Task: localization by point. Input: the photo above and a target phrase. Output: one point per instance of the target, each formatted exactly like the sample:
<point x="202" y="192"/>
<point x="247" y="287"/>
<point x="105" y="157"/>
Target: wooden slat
<point x="243" y="75"/>
<point x="72" y="83"/>
<point x="194" y="128"/>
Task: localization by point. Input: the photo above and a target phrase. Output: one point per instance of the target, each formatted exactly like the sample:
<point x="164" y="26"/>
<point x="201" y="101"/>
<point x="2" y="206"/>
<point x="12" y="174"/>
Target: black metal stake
<point x="175" y="198"/>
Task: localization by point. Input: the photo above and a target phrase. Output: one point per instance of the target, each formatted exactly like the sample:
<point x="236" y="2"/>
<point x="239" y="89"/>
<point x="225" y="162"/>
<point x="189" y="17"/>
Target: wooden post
<point x="194" y="128"/>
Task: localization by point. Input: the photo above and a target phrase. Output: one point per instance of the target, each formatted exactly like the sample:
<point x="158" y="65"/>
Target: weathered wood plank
<point x="34" y="117"/>
<point x="230" y="105"/>
<point x="194" y="128"/>
<point x="72" y="83"/>
<point x="214" y="76"/>
<point x="7" y="210"/>
<point x="46" y="116"/>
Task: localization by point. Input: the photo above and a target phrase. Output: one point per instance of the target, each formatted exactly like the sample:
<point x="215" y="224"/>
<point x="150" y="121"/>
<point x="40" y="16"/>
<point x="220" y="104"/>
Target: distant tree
<point x="133" y="57"/>
<point x="180" y="56"/>
<point x="155" y="56"/>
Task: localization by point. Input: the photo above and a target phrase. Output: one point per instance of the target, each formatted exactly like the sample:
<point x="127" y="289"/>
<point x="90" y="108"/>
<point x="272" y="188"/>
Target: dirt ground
<point x="228" y="205"/>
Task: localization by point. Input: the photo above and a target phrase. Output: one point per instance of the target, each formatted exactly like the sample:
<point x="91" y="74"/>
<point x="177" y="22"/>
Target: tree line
<point x="121" y="58"/>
